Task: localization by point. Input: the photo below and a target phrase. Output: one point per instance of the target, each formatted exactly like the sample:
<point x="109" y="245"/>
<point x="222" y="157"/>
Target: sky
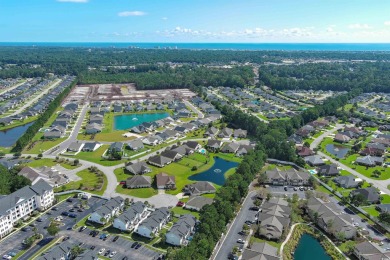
<point x="230" y="21"/>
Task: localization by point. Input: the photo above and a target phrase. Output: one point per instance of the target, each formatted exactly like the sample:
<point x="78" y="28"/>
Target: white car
<point x="240" y="241"/>
<point x="101" y="251"/>
<point x="7" y="257"/>
<point x="113" y="253"/>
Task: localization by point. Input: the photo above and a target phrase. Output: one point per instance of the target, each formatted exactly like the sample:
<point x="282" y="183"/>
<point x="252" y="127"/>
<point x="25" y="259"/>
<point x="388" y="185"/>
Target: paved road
<point x="230" y="239"/>
<point x="73" y="135"/>
<point x="32" y="101"/>
<point x="196" y="110"/>
<point x="319" y="139"/>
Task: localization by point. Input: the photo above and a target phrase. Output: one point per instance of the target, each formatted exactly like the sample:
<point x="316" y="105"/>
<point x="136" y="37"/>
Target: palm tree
<point x="76" y="251"/>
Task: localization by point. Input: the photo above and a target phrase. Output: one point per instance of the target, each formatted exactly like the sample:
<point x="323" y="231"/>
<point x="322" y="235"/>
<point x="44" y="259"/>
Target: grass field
<point x="366" y="171"/>
<point x="19" y="123"/>
<point x="89" y="181"/>
<point x="181" y="211"/>
<point x="96" y="157"/>
<point x="50" y="162"/>
<point x="115" y="136"/>
<point x="385" y="199"/>
<point x="371" y="211"/>
<point x="42" y="145"/>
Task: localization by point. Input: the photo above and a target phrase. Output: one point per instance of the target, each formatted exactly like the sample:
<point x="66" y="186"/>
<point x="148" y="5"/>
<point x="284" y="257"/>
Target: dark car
<point x="72" y="215"/>
<point x="81" y="229"/>
<point x="39" y="219"/>
<point x="125" y="258"/>
<point x="255" y="208"/>
<point x="54" y="208"/>
<point x="65" y="213"/>
<point x="134" y="244"/>
<point x="115" y="239"/>
<point x="107" y="252"/>
<point x="72" y="210"/>
<point x="95" y="233"/>
<point x="242" y="233"/>
<point x="93" y="247"/>
<point x="80" y="210"/>
<point x="25" y="229"/>
<point x="66" y="238"/>
<point x="248" y="222"/>
<point x="364" y="220"/>
<point x="32" y="225"/>
<point x="285" y="188"/>
<point x="137" y="246"/>
<point x="69" y="200"/>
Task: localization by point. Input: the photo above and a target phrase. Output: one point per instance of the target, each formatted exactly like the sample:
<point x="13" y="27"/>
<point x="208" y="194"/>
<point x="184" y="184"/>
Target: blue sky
<point x="195" y="21"/>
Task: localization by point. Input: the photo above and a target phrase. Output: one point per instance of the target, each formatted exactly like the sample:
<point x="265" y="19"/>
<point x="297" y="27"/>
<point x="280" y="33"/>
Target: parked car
<point x="81" y="229"/>
<point x="285" y="188"/>
<point x="39" y="219"/>
<point x="134" y="244"/>
<point x="69" y="200"/>
<point x="66" y="238"/>
<point x="25" y="229"/>
<point x="65" y="213"/>
<point x="180" y="204"/>
<point x="54" y="208"/>
<point x="137" y="246"/>
<point x="72" y="215"/>
<point x="113" y="253"/>
<point x="295" y="188"/>
<point x="122" y="182"/>
<point x="93" y="247"/>
<point x="101" y="251"/>
<point x="240" y="241"/>
<point x="7" y="257"/>
<point x="72" y="210"/>
<point x="115" y="238"/>
<point x="255" y="208"/>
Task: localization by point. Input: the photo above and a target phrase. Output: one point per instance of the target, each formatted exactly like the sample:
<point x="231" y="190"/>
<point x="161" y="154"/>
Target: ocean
<point x="217" y="46"/>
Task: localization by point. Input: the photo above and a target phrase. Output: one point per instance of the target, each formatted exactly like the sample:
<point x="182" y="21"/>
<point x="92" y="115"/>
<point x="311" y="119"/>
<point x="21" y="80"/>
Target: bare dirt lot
<point x="128" y="91"/>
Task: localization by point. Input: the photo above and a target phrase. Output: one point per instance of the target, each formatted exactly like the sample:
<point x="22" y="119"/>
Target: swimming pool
<point x="202" y="151"/>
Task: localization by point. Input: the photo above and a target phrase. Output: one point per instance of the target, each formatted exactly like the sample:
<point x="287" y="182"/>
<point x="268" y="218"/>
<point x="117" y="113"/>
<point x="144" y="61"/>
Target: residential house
<point x="90" y="147"/>
<point x="244" y="149"/>
<point x="159" y="161"/>
<point x="139" y="181"/>
<point x="107" y="211"/>
<point x="151" y="140"/>
<point x="214" y="145"/>
<point x="135" y="145"/>
<point x="211" y="132"/>
<point x="369" y="160"/>
<point x="181" y="230"/>
<point x="314" y="160"/>
<point x="116" y="147"/>
<point x="23" y="202"/>
<point x="230" y="147"/>
<point x="287" y="177"/>
<point x="197" y="203"/>
<point x="54" y="132"/>
<point x="75" y="147"/>
<point x="239" y="133"/>
<point x="274" y="218"/>
<point x="165" y="181"/>
<point x="371" y="195"/>
<point x="198" y="188"/>
<point x="296" y="139"/>
<point x="304" y="151"/>
<point x="131" y="217"/>
<point x="370" y="251"/>
<point x="61" y="251"/>
<point x="383" y="208"/>
<point x="225" y="133"/>
<point x="153" y="224"/>
<point x="342" y="138"/>
<point x="347" y="182"/>
<point x="262" y="251"/>
<point x="328" y="170"/>
<point x="325" y="212"/>
<point x="93" y="128"/>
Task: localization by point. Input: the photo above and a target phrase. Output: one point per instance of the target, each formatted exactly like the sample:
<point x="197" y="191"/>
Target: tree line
<point x="10" y="181"/>
<point x="28" y="136"/>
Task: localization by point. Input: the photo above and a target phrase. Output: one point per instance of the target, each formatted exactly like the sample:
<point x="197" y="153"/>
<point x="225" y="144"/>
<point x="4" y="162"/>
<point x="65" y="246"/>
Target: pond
<point x="216" y="174"/>
<point x="309" y="248"/>
<point x="9" y="137"/>
<point x="337" y="150"/>
<point x="124" y="122"/>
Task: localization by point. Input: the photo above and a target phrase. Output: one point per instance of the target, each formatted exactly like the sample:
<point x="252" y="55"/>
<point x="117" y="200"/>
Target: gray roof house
<point x="116" y="147"/>
<point x="274" y="218"/>
<point x="346" y="181"/>
<point x="370" y="194"/>
<point x="153" y="224"/>
<point x="138" y="168"/>
<point x="93" y="128"/>
<point x="135" y="144"/>
<point x="90" y="147"/>
<point x="165" y="181"/>
<point x="328" y="170"/>
<point x="260" y="251"/>
<point x="369" y="251"/>
<point x="75" y="147"/>
<point x="197" y="203"/>
<point x="230" y="148"/>
<point x="139" y="181"/>
<point x="314" y="160"/>
<point x="211" y="132"/>
<point x="369" y="160"/>
<point x="198" y="188"/>
<point x="287" y="177"/>
<point x="131" y="217"/>
<point x="225" y="133"/>
<point x="214" y="144"/>
<point x="329" y="212"/>
<point x="181" y="230"/>
<point x="159" y="161"/>
<point x="239" y="133"/>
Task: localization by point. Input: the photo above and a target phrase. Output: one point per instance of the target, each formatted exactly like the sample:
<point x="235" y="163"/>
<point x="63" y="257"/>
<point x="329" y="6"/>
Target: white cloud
<point x="73" y="1"/>
<point x="387" y="23"/>
<point x="131" y="13"/>
<point x="359" y="26"/>
<point x="164" y="18"/>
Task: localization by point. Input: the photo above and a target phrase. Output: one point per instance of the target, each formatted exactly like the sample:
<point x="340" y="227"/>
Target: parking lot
<point x="280" y="191"/>
<point x="13" y="243"/>
<point x="122" y="246"/>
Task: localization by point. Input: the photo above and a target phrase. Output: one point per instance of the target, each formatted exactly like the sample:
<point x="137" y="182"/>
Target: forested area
<point x="271" y="143"/>
<point x="369" y="76"/>
<point x="27" y="137"/>
<point x="10" y="181"/>
<point x="148" y="67"/>
<point x="180" y="77"/>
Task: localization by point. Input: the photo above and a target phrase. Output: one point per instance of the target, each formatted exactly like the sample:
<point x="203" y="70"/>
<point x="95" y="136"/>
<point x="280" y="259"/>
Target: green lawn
<point x="115" y="136"/>
<point x="89" y="182"/>
<point x="140" y="193"/>
<point x="366" y="171"/>
<point x="385" y="199"/>
<point x="42" y="145"/>
<point x="371" y="211"/>
<point x="272" y="243"/>
<point x="50" y="162"/>
<point x="182" y="211"/>
<point x="96" y="157"/>
<point x="18" y="123"/>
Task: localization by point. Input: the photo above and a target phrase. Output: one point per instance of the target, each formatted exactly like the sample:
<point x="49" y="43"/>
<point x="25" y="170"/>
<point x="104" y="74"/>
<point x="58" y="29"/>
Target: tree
<point x="76" y="251"/>
<point x="340" y="236"/>
<point x="262" y="178"/>
<point x="53" y="229"/>
<point x="358" y="200"/>
<point x="349" y="247"/>
<point x="269" y="196"/>
<point x="262" y="193"/>
<point x="306" y="144"/>
<point x="313" y="182"/>
<point x="384" y="217"/>
<point x="76" y="162"/>
<point x="377" y="173"/>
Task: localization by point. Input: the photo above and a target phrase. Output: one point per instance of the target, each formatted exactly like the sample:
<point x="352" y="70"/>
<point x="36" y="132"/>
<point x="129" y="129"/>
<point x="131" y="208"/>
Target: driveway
<point x="280" y="192"/>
